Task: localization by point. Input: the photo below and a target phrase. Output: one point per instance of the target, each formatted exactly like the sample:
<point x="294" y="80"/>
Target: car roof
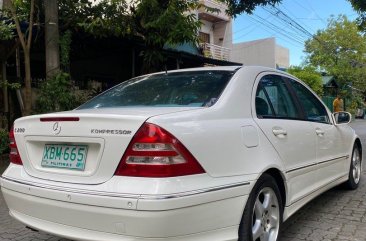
<point x="222" y="68"/>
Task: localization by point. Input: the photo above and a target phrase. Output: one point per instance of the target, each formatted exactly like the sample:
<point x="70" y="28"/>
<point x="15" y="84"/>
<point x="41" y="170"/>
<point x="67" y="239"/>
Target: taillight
<point x="154" y="152"/>
<point x="14" y="154"/>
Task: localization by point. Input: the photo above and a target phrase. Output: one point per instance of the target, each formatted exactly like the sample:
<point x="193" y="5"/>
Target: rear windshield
<point x="196" y="88"/>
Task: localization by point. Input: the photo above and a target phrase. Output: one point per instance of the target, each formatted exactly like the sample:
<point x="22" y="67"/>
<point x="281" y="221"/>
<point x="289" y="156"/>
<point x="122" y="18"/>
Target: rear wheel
<point x="354" y="175"/>
<point x="262" y="216"/>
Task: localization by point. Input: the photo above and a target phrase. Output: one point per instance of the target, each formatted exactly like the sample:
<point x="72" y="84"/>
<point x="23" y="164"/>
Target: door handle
<point x="319" y="132"/>
<point x="277" y="131"/>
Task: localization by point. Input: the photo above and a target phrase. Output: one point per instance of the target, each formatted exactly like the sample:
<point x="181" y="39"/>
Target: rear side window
<point x="314" y="110"/>
<point x="273" y="99"/>
<point x="195" y="88"/>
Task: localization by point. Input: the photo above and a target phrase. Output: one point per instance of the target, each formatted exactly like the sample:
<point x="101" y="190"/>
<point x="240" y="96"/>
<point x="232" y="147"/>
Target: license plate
<point x="64" y="156"/>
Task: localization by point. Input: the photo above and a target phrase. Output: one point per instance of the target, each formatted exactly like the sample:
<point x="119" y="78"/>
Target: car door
<point x="279" y="116"/>
<point x="330" y="152"/>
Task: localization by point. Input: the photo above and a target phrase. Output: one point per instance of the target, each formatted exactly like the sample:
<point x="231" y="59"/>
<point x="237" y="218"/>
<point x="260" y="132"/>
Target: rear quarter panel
<point x="218" y="136"/>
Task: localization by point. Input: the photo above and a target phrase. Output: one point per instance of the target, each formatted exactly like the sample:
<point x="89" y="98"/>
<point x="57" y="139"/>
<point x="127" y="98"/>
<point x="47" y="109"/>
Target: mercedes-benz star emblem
<point x="56" y="128"/>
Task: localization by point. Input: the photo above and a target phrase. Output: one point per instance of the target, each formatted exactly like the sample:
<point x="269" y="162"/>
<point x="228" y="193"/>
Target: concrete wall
<point x="206" y="27"/>
<point x="220" y="33"/>
<point x="263" y="52"/>
<point x="282" y="57"/>
<point x="258" y="52"/>
<point x="216" y="5"/>
<point x="223" y="34"/>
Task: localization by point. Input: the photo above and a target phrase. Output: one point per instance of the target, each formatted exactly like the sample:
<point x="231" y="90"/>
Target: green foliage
<point x="4" y="141"/>
<point x="156" y="22"/>
<point x="166" y="22"/>
<point x="73" y="12"/>
<point x="353" y="100"/>
<point x="56" y="94"/>
<point x="340" y="50"/>
<point x="65" y="47"/>
<point x="237" y="7"/>
<point x="12" y="86"/>
<point x="106" y="18"/>
<point x="163" y="23"/>
<point x="22" y="11"/>
<point x="360" y="7"/>
<point x="310" y="76"/>
<point x="6" y="27"/>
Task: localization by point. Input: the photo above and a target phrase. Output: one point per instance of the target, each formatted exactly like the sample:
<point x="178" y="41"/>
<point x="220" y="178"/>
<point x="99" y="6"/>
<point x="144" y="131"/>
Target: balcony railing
<point x="214" y="16"/>
<point x="215" y="52"/>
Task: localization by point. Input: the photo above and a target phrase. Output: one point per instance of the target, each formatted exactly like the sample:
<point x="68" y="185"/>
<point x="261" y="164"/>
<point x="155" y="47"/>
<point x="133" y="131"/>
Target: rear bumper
<point x="215" y="217"/>
<point x="226" y="234"/>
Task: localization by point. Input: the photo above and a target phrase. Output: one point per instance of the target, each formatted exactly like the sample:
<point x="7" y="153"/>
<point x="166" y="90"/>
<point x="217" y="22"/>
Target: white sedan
<point x="221" y="153"/>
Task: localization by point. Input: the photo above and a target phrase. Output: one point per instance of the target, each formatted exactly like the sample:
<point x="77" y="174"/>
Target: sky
<point x="310" y="15"/>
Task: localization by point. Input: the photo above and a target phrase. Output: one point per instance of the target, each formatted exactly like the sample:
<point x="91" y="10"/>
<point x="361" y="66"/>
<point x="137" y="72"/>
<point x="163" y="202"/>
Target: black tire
<point x="263" y="189"/>
<point x="354" y="175"/>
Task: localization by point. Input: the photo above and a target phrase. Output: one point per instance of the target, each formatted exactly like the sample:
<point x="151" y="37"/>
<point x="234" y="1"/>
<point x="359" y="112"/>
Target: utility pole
<point x="6" y="4"/>
<point x="51" y="38"/>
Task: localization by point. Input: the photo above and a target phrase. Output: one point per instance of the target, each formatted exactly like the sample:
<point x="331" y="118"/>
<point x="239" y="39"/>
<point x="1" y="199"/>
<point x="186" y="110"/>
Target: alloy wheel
<point x="266" y="216"/>
<point x="356" y="165"/>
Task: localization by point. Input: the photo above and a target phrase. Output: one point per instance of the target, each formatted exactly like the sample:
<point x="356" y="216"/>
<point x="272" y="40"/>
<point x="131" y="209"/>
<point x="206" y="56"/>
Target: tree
<point x="360" y="7"/>
<point x="25" y="14"/>
<point x="6" y="28"/>
<point x="6" y="35"/>
<point x="164" y="22"/>
<point x="156" y="22"/>
<point x="340" y="50"/>
<point x="236" y="7"/>
<point x="23" y="11"/>
<point x="309" y="76"/>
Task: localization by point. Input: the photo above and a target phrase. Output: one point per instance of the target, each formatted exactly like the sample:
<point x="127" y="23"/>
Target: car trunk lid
<point x="81" y="146"/>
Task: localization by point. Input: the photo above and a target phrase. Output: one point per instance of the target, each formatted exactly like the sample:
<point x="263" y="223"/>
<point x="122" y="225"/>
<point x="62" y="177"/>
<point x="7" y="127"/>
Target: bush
<point x="58" y="94"/>
<point x="4" y="141"/>
<point x="353" y="101"/>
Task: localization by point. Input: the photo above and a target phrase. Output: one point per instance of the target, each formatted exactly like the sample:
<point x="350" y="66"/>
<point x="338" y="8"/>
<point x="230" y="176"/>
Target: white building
<point x="216" y="36"/>
<point x="216" y="31"/>
<point x="263" y="52"/>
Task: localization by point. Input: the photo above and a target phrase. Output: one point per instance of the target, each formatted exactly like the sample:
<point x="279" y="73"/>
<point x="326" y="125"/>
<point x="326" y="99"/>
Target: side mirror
<point x="342" y="117"/>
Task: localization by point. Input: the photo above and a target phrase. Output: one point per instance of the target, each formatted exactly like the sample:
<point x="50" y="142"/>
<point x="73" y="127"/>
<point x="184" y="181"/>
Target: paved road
<point x="337" y="215"/>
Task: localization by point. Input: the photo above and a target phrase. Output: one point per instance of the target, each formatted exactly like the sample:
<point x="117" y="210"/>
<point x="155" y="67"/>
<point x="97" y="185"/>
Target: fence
<point x="328" y="101"/>
<point x="216" y="52"/>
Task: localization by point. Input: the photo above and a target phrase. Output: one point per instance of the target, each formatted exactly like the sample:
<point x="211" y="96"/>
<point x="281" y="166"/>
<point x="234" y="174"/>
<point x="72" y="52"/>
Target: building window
<point x="204" y="37"/>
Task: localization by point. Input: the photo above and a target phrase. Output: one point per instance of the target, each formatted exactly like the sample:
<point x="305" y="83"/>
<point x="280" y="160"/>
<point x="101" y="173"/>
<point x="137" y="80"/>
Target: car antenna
<point x="166" y="70"/>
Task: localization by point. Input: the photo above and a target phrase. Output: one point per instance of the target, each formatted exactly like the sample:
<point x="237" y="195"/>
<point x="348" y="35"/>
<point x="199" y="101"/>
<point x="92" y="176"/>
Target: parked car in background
<point x="215" y="153"/>
<point x="360" y="113"/>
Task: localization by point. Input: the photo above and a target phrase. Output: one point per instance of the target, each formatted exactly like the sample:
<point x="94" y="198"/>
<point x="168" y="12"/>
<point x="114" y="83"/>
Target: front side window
<point x="273" y="100"/>
<point x="194" y="89"/>
<point x="314" y="110"/>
